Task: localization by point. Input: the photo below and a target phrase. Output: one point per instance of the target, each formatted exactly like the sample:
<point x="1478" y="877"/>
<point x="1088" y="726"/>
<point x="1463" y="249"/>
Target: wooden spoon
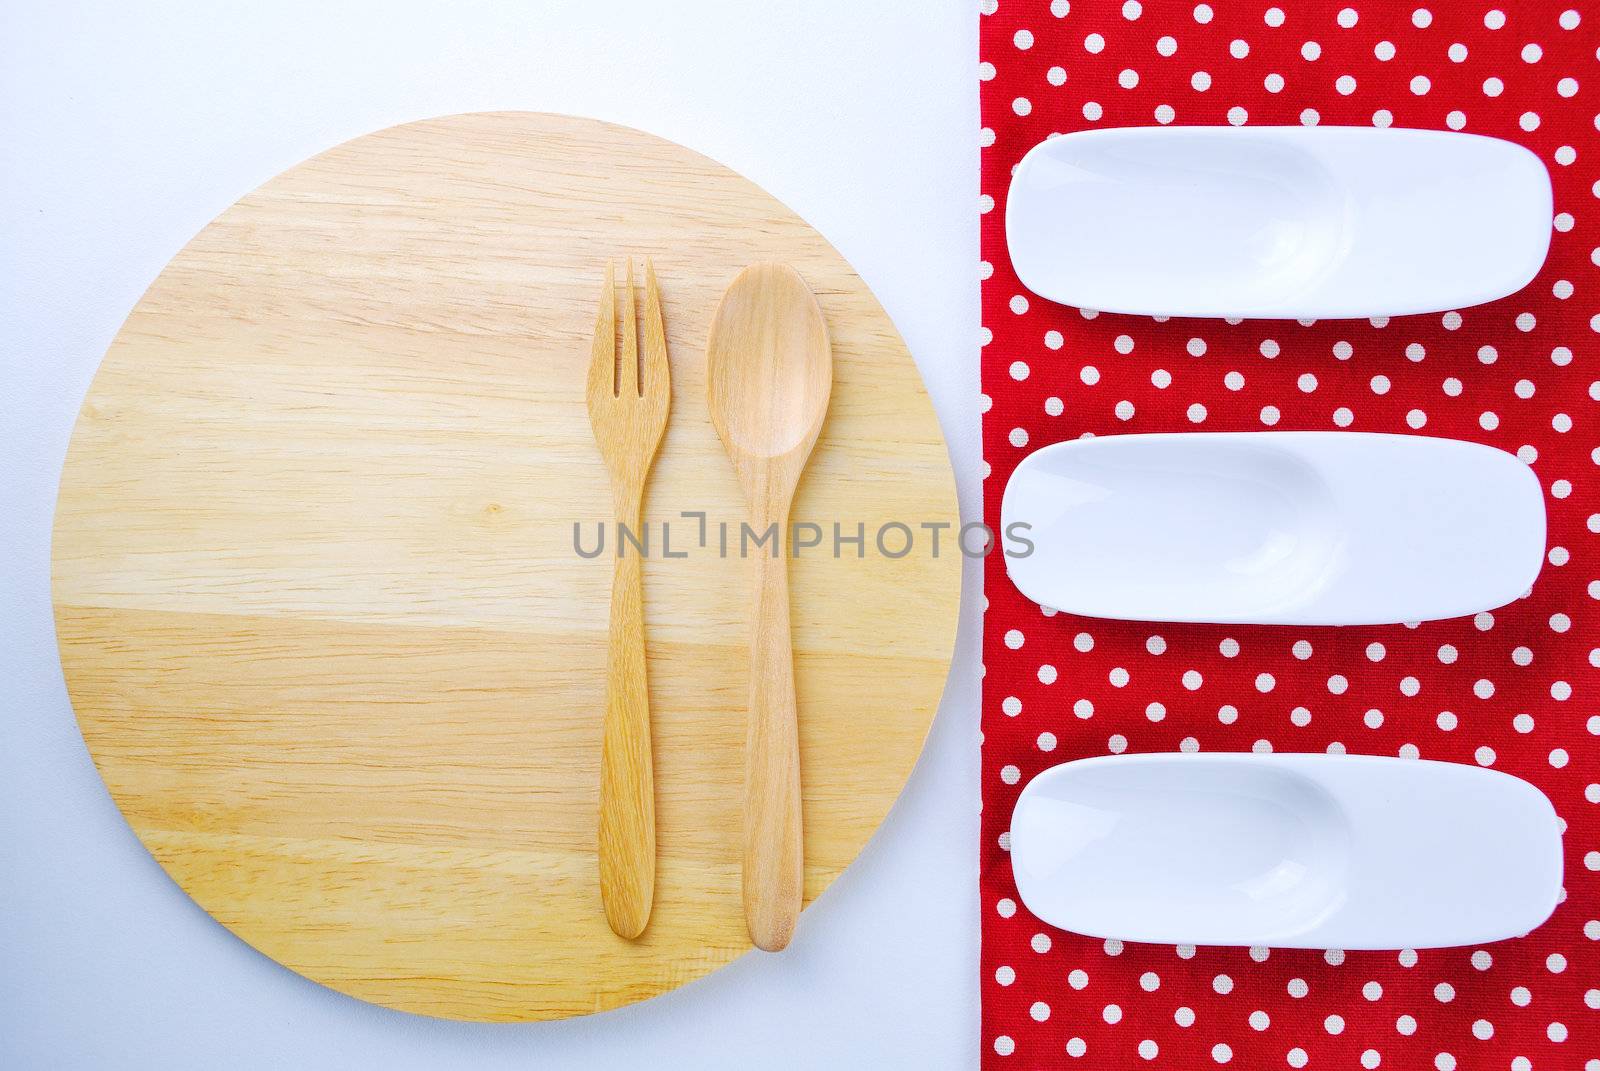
<point x="769" y="370"/>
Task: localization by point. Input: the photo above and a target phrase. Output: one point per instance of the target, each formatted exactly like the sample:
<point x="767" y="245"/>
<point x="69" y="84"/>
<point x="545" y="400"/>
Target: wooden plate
<point x="318" y="602"/>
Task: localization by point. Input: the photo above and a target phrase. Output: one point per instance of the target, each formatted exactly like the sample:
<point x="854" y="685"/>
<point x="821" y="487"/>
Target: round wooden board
<point x="317" y="599"/>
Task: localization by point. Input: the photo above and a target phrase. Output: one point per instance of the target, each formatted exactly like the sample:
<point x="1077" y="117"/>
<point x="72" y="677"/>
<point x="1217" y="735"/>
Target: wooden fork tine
<point x="603" y="361"/>
<point x="654" y="365"/>
<point x="628" y="376"/>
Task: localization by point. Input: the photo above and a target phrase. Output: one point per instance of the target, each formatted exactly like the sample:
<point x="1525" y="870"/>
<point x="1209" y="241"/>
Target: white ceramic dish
<point x="1316" y="528"/>
<point x="1291" y="851"/>
<point x="1293" y="222"/>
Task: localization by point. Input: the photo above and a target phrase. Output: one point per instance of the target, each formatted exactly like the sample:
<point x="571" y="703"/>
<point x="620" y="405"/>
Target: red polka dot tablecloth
<point x="1517" y="689"/>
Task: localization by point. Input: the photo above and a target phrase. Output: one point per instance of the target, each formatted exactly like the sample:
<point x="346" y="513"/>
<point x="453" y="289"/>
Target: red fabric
<point x="1519" y="374"/>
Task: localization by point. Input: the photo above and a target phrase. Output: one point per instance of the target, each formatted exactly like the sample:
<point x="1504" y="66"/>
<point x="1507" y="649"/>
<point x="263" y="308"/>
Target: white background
<point x="126" y="127"/>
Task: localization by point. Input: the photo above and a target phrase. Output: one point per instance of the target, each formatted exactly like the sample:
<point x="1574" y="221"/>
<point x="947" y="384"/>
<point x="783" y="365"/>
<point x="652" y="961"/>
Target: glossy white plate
<point x="1291" y="851"/>
<point x="1294" y="222"/>
<point x="1318" y="528"/>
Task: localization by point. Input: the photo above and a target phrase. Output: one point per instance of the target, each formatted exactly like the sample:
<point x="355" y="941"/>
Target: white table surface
<point x="123" y="129"/>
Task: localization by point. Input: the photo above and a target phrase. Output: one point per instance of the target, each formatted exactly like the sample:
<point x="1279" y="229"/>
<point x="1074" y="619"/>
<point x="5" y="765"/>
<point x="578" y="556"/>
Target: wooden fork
<point x="628" y="401"/>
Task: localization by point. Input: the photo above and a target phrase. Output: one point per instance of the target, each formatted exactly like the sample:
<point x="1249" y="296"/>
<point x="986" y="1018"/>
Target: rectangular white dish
<point x="1288" y="851"/>
<point x="1289" y="222"/>
<point x="1310" y="528"/>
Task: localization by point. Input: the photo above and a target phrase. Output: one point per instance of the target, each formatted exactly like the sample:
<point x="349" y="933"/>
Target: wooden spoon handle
<point x="774" y="858"/>
<point x="627" y="780"/>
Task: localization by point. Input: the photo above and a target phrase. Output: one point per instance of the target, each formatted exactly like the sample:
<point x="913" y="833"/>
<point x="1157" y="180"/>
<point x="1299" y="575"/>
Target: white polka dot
<point x="1184" y="1017"/>
<point x="1457" y="52"/>
<point x="1167" y="45"/>
<point x="1222" y="984"/>
<point x="1311" y="51"/>
<point x="1192" y="679"/>
<point x="1406" y="1025"/>
<point x="1420" y="85"/>
<point x="1221" y="1053"/>
<point x="1011" y="706"/>
<point x="1274" y="16"/>
<point x="1047" y="742"/>
<point x="1482" y="960"/>
<point x="1531" y="53"/>
<point x="1298" y="988"/>
<point x="1094" y="43"/>
<point x="1005" y="975"/>
<point x="1556" y="1032"/>
<point x="1309" y="117"/>
<point x="1274" y="83"/>
<point x="1297" y="1057"/>
<point x="1004" y="1045"/>
<point x="1371" y="1058"/>
<point x="1014" y="639"/>
<point x="1521" y="997"/>
<point x="1022" y="105"/>
<point x="1259" y="1020"/>
<point x="1078" y="979"/>
<point x="1334" y="1024"/>
<point x="1338" y="684"/>
<point x="1023" y="39"/>
<point x="1018" y="437"/>
<point x="1238" y="48"/>
<point x="1112" y="1013"/>
<point x="1421" y="18"/>
<point x="1200" y="80"/>
<point x="1132" y="10"/>
<point x="1269" y="415"/>
<point x="1484" y="756"/>
<point x="1041" y="943"/>
<point x="1569" y="20"/>
<point x="1076" y="1047"/>
<point x="1196" y="413"/>
<point x="1493" y="87"/>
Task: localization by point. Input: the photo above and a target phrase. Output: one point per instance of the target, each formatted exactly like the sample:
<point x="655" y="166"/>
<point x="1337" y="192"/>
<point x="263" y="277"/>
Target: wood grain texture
<point x="629" y="392"/>
<point x="317" y="600"/>
<point x="769" y="370"/>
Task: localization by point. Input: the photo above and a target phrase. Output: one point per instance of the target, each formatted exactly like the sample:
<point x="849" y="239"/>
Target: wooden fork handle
<point x="627" y="780"/>
<point x="774" y="858"/>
